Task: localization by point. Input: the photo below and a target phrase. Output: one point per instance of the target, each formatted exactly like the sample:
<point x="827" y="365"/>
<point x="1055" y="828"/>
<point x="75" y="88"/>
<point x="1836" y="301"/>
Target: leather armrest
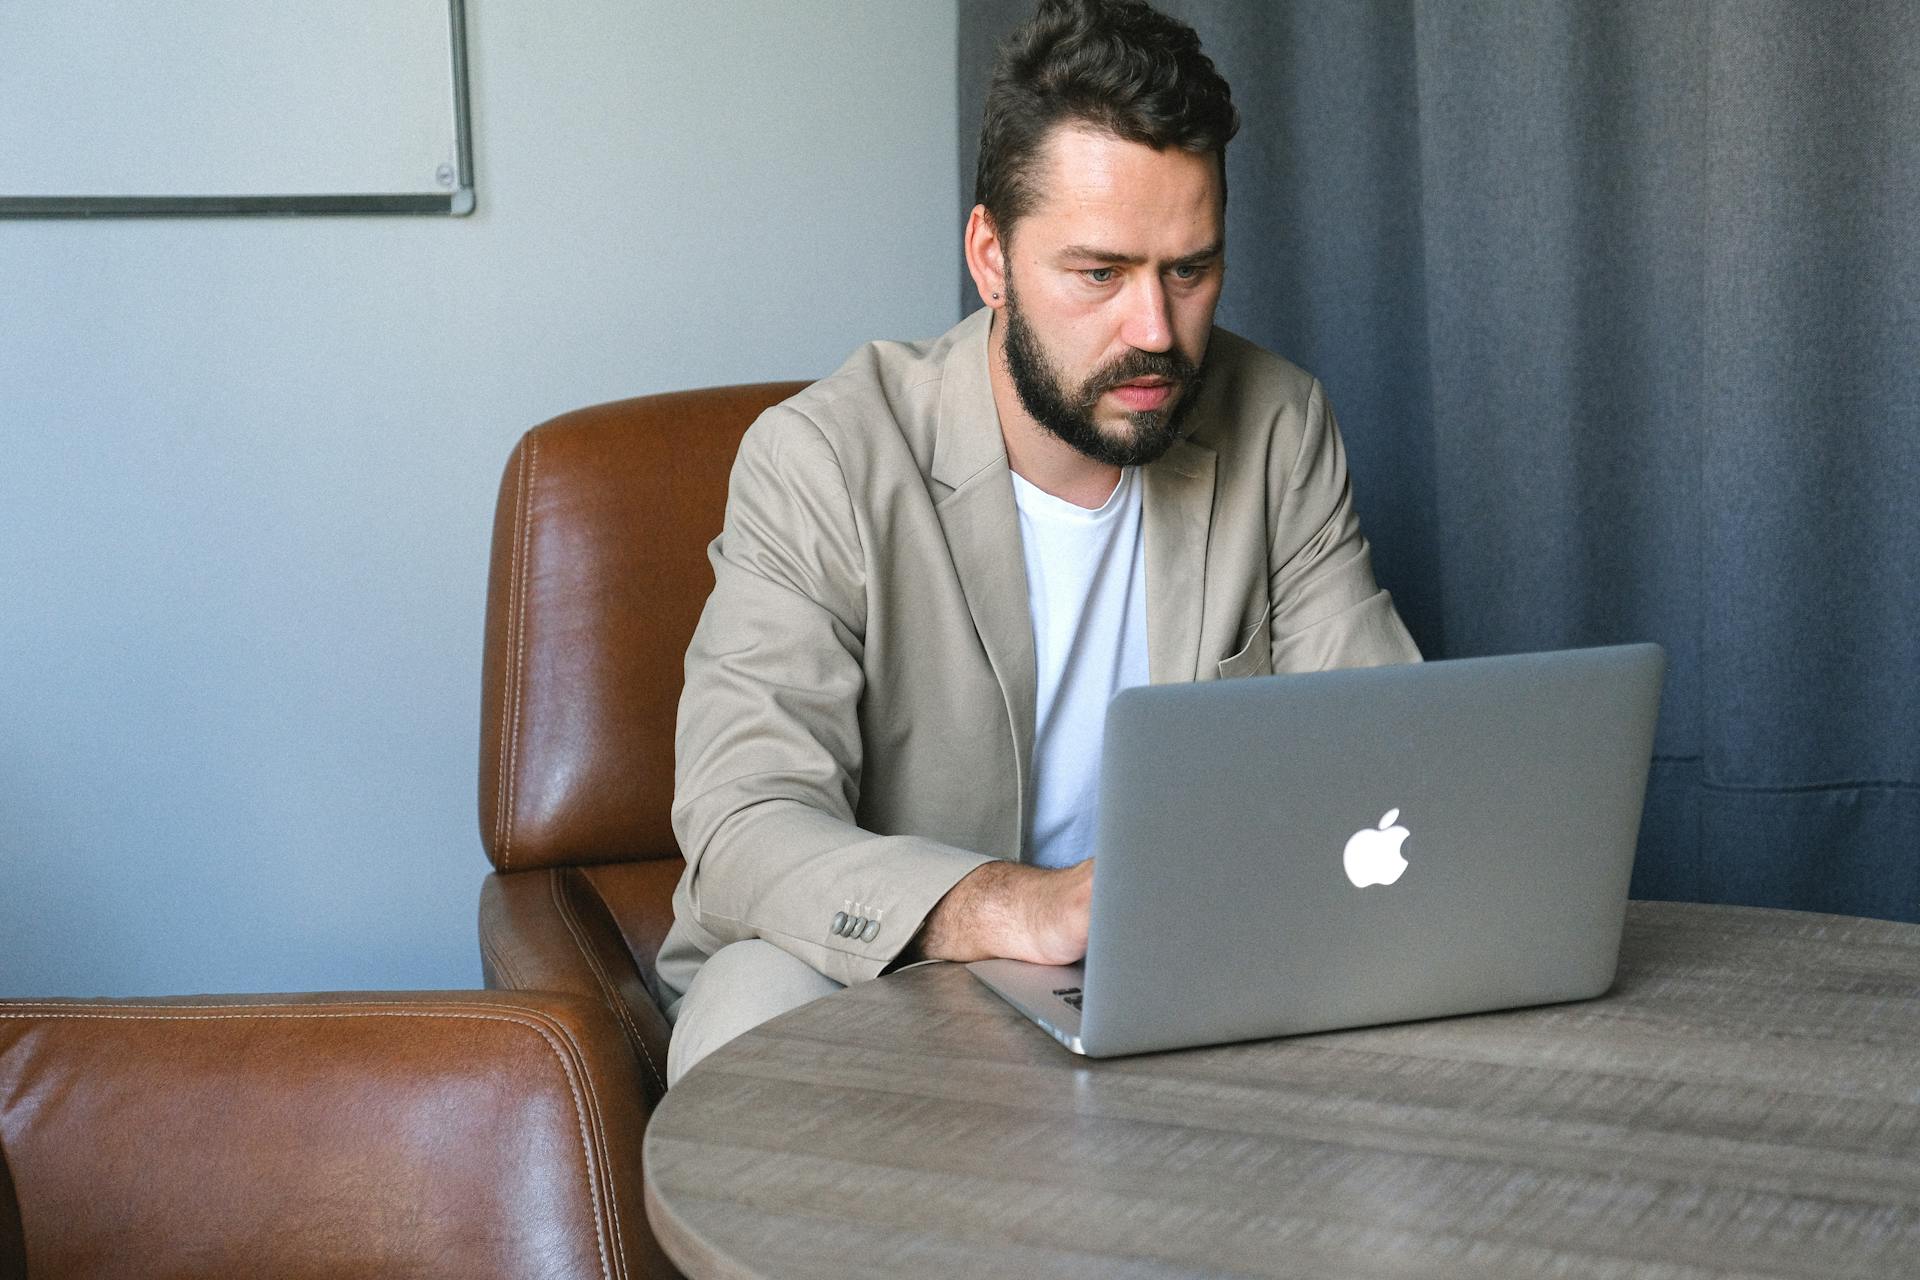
<point x="593" y="931"/>
<point x="466" y="1134"/>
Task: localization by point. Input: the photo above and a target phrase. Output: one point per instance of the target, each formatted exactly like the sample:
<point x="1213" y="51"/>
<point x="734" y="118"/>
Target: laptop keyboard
<point x="1070" y="994"/>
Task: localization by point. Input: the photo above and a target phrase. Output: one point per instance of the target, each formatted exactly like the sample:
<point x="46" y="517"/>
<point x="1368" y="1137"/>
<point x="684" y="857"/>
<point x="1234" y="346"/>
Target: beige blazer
<point x="856" y="731"/>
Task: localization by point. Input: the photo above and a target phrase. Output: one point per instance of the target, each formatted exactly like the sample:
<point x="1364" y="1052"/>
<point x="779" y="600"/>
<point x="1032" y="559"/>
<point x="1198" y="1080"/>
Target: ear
<point x="986" y="257"/>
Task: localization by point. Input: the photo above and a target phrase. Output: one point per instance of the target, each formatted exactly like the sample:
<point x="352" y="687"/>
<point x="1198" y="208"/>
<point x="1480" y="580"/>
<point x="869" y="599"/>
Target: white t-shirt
<point x="1087" y="592"/>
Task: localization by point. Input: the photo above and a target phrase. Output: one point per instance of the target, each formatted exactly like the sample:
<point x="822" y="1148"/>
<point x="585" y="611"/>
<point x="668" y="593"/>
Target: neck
<point x="1036" y="455"/>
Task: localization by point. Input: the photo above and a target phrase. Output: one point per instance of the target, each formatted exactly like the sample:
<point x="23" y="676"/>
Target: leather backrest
<point x="598" y="577"/>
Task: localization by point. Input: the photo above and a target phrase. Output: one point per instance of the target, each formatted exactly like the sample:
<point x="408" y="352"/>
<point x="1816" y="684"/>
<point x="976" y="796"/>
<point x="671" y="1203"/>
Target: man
<point x="940" y="562"/>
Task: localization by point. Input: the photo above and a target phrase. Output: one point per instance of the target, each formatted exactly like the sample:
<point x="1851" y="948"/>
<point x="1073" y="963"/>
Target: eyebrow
<point x="1087" y="253"/>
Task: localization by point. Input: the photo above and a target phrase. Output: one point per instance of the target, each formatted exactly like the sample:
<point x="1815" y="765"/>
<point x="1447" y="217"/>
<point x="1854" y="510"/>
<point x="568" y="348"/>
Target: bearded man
<point x="939" y="563"/>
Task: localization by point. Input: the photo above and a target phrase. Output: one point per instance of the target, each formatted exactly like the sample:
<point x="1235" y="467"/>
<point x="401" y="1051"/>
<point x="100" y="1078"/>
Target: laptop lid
<point x="1297" y="853"/>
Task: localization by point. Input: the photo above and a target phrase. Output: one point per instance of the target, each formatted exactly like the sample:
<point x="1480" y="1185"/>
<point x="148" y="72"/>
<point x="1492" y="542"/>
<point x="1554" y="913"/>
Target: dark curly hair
<point x="1117" y="66"/>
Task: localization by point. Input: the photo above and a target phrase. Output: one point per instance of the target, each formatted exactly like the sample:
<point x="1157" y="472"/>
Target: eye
<point x="1189" y="271"/>
<point x="1099" y="275"/>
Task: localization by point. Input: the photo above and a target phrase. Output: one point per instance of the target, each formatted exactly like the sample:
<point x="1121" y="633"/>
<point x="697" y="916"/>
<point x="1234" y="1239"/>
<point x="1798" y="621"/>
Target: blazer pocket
<point x="1255" y="657"/>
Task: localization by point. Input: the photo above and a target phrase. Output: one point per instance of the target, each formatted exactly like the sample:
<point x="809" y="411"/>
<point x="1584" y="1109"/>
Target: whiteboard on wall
<point x="233" y="106"/>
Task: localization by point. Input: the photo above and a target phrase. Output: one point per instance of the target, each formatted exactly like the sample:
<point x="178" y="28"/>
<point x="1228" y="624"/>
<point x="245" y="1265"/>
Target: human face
<point x="1118" y="271"/>
<point x="1066" y="408"/>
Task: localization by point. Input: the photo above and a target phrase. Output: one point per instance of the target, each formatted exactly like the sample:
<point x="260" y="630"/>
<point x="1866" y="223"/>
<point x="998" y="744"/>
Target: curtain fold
<point x="1618" y="306"/>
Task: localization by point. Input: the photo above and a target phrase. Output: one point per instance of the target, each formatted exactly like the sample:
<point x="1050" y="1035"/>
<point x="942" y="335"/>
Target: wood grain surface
<point x="1744" y="1102"/>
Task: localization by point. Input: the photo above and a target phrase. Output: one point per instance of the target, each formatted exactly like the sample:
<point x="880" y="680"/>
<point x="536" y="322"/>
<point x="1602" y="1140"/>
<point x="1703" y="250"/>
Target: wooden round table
<point x="1745" y="1102"/>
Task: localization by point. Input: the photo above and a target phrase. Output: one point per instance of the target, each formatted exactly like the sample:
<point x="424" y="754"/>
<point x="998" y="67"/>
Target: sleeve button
<point x="871" y="932"/>
<point x="840" y="922"/>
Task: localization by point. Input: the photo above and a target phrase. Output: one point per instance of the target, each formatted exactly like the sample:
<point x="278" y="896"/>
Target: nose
<point x="1148" y="325"/>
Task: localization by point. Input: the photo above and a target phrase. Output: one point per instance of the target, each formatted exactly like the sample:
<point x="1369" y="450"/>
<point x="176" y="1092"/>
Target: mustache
<point x="1136" y="363"/>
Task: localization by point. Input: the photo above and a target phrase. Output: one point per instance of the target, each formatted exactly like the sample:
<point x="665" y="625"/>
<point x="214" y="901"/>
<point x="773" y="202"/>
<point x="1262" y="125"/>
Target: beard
<point x="1066" y="411"/>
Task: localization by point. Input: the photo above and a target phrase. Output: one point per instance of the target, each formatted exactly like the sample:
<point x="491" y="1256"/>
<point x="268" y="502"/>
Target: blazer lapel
<point x="1177" y="512"/>
<point x="982" y="528"/>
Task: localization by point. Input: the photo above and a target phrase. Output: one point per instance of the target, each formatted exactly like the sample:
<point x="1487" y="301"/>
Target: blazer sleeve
<point x="767" y="749"/>
<point x="1327" y="609"/>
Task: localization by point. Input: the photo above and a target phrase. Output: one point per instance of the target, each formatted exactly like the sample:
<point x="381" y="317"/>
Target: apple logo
<point x="1373" y="853"/>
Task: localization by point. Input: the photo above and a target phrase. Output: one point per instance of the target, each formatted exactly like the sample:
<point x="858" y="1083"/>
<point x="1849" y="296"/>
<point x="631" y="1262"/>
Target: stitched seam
<point x="608" y="991"/>
<point x="500" y="966"/>
<point x="602" y="1147"/>
<point x="520" y="642"/>
<point x="567" y="1069"/>
<point x="507" y="693"/>
<point x="612" y="997"/>
<point x="619" y="1238"/>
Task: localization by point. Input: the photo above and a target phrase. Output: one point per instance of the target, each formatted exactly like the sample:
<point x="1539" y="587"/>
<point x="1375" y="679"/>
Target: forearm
<point x="1005" y="909"/>
<point x="976" y="920"/>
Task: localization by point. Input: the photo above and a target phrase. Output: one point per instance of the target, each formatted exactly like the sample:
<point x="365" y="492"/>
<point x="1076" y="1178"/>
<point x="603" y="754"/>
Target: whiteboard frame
<point x="457" y="201"/>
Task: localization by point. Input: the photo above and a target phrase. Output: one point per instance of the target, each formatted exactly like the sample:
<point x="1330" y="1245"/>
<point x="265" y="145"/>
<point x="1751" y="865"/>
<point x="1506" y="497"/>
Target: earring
<point x="996" y="297"/>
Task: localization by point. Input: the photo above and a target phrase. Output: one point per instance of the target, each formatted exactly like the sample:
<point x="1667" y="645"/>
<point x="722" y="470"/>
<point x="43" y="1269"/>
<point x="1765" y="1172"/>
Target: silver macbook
<point x="1297" y="853"/>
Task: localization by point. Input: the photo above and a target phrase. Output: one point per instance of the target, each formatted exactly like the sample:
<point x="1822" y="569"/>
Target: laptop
<point x="1286" y="854"/>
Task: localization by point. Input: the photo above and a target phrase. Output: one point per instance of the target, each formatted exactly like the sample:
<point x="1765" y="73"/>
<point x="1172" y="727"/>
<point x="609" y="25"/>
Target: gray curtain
<point x="1618" y="305"/>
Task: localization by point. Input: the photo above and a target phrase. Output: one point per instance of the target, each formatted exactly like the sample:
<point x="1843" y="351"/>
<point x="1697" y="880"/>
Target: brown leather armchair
<point x="453" y="1135"/>
<point x="433" y="1134"/>
<point x="599" y="574"/>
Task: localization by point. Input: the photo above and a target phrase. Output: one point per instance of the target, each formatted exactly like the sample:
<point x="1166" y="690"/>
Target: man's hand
<point x="1007" y="910"/>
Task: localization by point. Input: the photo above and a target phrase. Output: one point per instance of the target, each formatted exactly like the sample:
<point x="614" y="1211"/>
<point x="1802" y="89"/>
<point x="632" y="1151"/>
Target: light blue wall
<point x="249" y="468"/>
